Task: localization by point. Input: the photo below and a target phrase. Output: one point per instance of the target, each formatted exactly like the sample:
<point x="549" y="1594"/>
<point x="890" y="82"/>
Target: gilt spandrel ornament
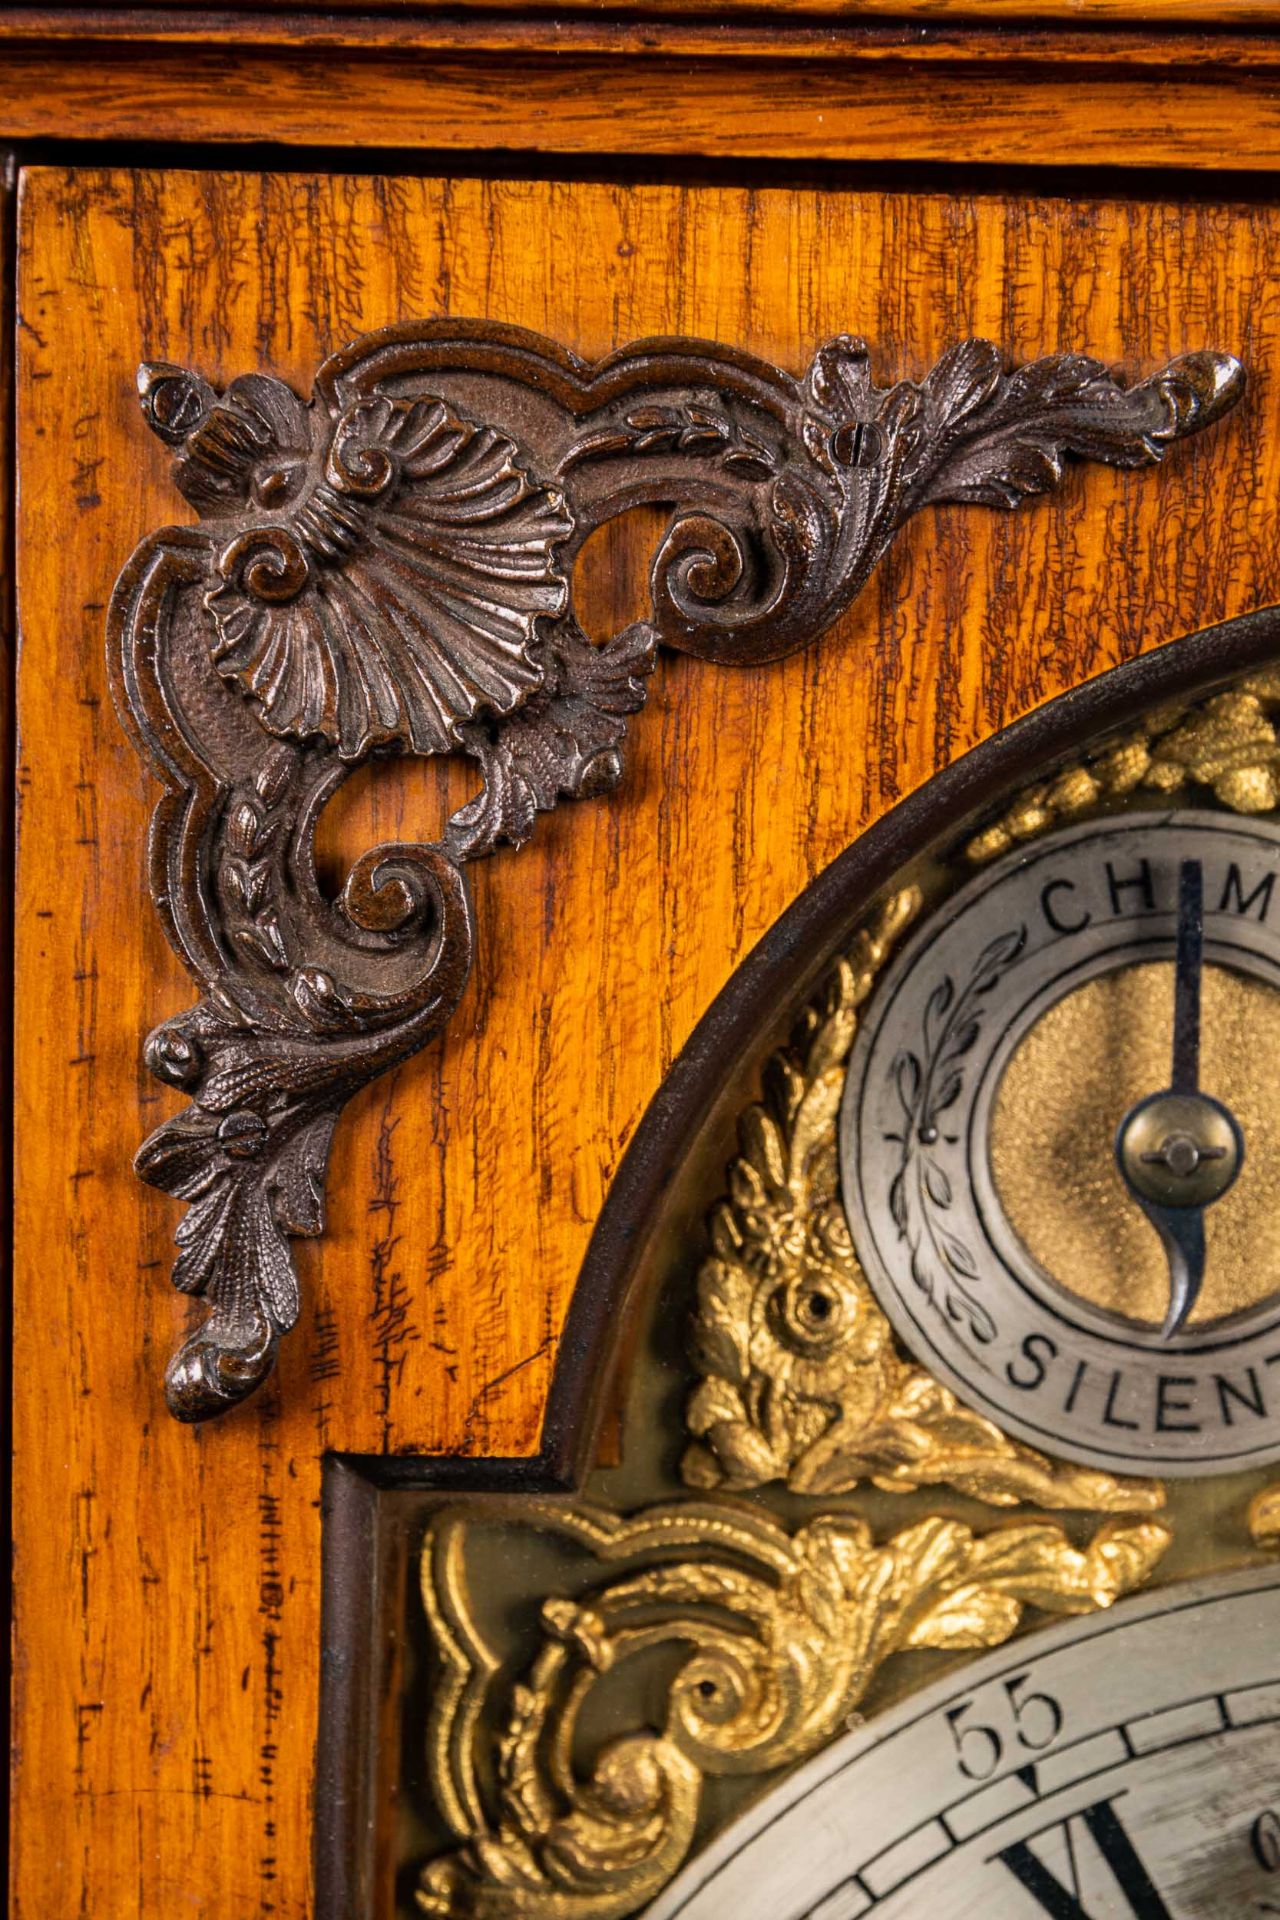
<point x="386" y="570"/>
<point x="781" y="1630"/>
<point x="569" y="1778"/>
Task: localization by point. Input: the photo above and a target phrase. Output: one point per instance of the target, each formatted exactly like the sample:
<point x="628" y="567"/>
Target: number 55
<point x="1030" y="1721"/>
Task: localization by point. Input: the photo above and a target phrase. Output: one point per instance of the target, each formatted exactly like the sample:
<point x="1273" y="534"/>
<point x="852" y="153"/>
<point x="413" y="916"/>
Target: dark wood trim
<point x="1244" y="184"/>
<point x="352" y="1604"/>
<point x="365" y="1592"/>
<point x="919" y="26"/>
<point x="584" y="26"/>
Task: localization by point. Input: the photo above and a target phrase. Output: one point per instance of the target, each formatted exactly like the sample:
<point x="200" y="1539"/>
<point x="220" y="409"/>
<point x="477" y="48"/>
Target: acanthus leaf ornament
<point x="802" y="1378"/>
<point x="781" y="1631"/>
<point x="1263" y="1519"/>
<point x="1228" y="745"/>
<point x="387" y="569"/>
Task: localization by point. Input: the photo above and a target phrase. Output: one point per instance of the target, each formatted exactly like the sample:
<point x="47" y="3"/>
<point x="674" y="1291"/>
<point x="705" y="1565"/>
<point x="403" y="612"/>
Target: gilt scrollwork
<point x="1227" y="745"/>
<point x="802" y="1379"/>
<point x="387" y="569"/>
<point x="780" y="1633"/>
<point x="1263" y="1517"/>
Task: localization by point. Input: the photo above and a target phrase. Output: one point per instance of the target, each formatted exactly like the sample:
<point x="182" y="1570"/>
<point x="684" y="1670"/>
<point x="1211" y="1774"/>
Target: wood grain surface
<point x="985" y="40"/>
<point x="660" y="90"/>
<point x="286" y="18"/>
<point x="168" y="1580"/>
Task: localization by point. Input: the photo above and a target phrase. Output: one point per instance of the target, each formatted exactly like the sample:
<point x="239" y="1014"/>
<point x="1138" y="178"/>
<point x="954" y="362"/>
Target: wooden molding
<point x="1194" y="89"/>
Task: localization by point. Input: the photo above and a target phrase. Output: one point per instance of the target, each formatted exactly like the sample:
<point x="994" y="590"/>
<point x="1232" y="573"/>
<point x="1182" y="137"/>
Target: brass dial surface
<point x="1067" y="1086"/>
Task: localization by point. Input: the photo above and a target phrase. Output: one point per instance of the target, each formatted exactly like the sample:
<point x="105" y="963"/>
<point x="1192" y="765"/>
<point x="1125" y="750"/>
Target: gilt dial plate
<point x="995" y="1062"/>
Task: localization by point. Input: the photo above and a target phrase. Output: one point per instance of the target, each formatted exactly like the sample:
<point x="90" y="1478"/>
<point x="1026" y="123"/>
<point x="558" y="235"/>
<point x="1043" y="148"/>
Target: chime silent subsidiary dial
<point x="1060" y="1142"/>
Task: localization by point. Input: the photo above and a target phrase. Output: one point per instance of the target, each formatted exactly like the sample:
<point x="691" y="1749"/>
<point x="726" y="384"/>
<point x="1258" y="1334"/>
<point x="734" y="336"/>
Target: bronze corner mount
<point x="387" y="569"/>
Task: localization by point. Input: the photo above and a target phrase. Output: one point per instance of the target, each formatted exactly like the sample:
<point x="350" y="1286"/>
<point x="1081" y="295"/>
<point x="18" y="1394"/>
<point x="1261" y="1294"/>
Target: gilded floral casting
<point x="1227" y="745"/>
<point x="779" y="1629"/>
<point x="781" y="1633"/>
<point x="802" y="1378"/>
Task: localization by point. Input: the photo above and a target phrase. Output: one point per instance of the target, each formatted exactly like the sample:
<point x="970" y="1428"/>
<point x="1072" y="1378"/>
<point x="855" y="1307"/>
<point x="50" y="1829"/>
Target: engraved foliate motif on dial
<point x="1017" y="1034"/>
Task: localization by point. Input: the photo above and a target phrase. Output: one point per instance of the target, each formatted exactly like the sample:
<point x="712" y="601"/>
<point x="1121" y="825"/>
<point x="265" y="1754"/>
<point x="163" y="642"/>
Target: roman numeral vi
<point x="1061" y="1902"/>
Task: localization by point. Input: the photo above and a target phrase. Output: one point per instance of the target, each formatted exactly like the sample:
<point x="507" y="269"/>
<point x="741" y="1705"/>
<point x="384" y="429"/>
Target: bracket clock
<point x="647" y="970"/>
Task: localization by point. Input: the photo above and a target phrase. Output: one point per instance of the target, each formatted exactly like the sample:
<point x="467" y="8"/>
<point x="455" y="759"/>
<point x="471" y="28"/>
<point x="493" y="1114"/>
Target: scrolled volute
<point x="387" y="569"/>
<point x="781" y="1631"/>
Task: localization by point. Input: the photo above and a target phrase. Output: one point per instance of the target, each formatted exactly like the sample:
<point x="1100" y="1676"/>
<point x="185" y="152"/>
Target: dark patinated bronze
<point x="387" y="569"/>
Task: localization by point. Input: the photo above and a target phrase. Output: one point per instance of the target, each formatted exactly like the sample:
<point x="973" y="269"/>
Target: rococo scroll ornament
<point x="781" y="1634"/>
<point x="387" y="569"/>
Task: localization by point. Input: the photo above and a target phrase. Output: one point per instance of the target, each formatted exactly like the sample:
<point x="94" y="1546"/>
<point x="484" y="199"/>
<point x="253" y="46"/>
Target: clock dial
<point x="1122" y="1767"/>
<point x="1060" y="1150"/>
<point x="981" y="1405"/>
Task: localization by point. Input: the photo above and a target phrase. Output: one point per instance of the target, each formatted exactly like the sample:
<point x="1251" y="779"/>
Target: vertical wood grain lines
<point x="169" y="1579"/>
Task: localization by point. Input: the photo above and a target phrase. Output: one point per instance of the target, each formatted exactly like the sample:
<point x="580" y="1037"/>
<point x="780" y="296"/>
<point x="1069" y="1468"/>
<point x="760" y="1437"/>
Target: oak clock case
<point x="197" y="1607"/>
<point x="865" y="1479"/>
<point x="871" y="1436"/>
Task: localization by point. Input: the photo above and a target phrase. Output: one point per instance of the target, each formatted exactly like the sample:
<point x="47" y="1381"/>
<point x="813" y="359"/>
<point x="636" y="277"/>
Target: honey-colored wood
<point x="1151" y="15"/>
<point x="168" y="1580"/>
<point x="544" y="88"/>
<point x="782" y="34"/>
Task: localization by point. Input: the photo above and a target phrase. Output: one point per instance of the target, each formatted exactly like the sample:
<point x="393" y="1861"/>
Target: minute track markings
<point x="1130" y="1754"/>
<point x="1193" y="1615"/>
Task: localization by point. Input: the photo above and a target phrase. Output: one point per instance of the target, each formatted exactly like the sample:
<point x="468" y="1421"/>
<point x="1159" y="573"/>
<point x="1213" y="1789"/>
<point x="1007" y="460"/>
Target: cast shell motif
<point x="390" y="592"/>
<point x="378" y="571"/>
